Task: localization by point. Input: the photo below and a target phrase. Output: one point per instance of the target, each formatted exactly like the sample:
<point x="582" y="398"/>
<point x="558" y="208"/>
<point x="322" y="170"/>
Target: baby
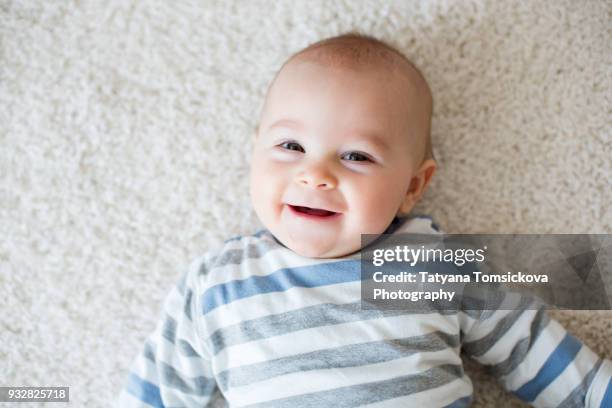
<point x="274" y="319"/>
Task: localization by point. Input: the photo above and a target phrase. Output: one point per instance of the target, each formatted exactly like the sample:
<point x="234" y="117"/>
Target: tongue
<point x="315" y="211"/>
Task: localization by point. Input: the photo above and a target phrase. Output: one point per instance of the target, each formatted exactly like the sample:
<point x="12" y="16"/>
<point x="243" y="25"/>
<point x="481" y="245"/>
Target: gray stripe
<point x="481" y="346"/>
<point x="187" y="306"/>
<point x="239" y="255"/>
<point x="186" y="293"/>
<point x="478" y="308"/>
<point x="149" y="351"/>
<point x="578" y="395"/>
<point x="169" y="377"/>
<point x="368" y="393"/>
<point x="169" y="329"/>
<point x="352" y="355"/>
<point x="519" y="351"/>
<point x="198" y="386"/>
<point x="203" y="269"/>
<point x="305" y="318"/>
<point x="185" y="349"/>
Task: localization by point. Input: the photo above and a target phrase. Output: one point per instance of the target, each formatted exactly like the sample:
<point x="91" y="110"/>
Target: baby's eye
<point x="355" y="156"/>
<point x="291" y="146"/>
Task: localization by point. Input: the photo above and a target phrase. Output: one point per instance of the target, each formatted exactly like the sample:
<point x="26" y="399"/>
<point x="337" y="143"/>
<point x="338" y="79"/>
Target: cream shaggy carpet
<point x="125" y="130"/>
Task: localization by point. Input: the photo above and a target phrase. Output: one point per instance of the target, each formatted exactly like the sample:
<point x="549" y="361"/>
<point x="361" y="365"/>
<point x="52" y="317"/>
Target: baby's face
<point x="336" y="140"/>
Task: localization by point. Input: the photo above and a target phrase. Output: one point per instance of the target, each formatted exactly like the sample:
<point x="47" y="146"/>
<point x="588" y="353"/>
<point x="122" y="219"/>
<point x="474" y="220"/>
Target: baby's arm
<point x="535" y="358"/>
<point x="173" y="369"/>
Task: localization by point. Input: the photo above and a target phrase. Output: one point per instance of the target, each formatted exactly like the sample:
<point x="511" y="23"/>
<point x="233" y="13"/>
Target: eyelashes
<point x="354" y="156"/>
<point x="296" y="146"/>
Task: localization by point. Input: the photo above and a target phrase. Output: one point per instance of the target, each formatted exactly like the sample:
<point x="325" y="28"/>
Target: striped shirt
<point x="254" y="324"/>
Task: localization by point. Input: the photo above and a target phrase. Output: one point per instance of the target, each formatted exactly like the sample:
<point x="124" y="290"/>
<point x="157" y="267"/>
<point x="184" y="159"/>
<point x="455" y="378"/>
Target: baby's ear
<point x="418" y="185"/>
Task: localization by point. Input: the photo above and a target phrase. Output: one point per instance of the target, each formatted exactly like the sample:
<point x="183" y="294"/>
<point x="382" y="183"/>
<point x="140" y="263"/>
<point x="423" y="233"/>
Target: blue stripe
<point x="607" y="398"/>
<point x="145" y="391"/>
<point x="461" y="402"/>
<point x="306" y="277"/>
<point x="260" y="232"/>
<point x="555" y="364"/>
<point x="234" y="238"/>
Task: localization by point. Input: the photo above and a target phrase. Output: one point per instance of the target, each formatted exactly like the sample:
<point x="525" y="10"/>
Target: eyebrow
<point x="371" y="137"/>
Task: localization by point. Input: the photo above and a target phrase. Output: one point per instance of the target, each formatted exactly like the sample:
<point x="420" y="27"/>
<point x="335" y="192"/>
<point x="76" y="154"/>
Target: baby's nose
<point x="317" y="177"/>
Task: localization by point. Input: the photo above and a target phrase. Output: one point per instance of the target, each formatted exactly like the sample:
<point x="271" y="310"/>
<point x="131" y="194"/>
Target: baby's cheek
<point x="378" y="204"/>
<point x="376" y="214"/>
<point x="268" y="168"/>
<point x="266" y="184"/>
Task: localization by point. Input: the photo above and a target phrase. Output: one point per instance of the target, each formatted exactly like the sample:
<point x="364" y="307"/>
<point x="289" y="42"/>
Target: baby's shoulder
<point x="415" y="224"/>
<point x="240" y="248"/>
<point x="236" y="258"/>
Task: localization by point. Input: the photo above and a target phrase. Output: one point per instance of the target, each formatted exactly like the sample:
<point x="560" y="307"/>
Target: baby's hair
<point x="352" y="50"/>
<point x="355" y="50"/>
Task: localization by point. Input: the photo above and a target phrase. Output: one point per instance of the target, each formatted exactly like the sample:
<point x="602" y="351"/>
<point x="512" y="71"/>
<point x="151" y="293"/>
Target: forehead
<point x="345" y="97"/>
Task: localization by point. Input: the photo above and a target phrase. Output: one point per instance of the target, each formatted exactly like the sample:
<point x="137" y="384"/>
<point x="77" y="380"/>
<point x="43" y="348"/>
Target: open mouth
<point x="317" y="212"/>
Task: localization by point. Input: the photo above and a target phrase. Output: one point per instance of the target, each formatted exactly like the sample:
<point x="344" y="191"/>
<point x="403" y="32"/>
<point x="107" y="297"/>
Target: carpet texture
<point x="126" y="131"/>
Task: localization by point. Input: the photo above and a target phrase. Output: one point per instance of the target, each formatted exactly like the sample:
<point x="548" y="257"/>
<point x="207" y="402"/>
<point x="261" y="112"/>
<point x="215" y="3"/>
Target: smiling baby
<point x="274" y="319"/>
<point x="346" y="129"/>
